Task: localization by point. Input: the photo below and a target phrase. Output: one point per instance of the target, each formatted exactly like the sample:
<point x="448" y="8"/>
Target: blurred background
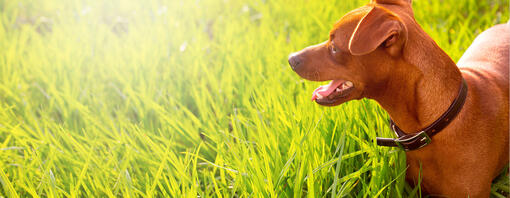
<point x="194" y="98"/>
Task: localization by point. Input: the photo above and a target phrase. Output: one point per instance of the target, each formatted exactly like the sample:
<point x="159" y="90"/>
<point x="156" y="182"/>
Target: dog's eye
<point x="334" y="50"/>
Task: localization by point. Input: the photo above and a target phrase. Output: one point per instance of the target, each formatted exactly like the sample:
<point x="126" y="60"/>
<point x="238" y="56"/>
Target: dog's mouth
<point x="333" y="93"/>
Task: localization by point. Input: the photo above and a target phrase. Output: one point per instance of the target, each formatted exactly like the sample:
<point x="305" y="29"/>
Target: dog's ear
<point x="380" y="27"/>
<point x="392" y="1"/>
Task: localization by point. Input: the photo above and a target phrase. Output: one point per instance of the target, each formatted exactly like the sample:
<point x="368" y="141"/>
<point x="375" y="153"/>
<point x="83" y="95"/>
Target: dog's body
<point x="466" y="156"/>
<point x="379" y="51"/>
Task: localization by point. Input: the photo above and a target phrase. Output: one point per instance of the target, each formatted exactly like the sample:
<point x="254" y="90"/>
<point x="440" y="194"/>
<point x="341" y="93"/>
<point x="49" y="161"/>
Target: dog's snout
<point x="294" y="61"/>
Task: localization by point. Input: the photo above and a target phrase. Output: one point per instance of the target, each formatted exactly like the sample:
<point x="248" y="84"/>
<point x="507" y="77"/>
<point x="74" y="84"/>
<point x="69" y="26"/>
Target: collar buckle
<point x="414" y="141"/>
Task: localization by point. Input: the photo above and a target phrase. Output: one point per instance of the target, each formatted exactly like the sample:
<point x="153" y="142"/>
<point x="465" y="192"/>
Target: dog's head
<point x="359" y="54"/>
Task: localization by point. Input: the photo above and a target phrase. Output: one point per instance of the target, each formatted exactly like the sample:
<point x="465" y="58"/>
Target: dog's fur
<point x="389" y="58"/>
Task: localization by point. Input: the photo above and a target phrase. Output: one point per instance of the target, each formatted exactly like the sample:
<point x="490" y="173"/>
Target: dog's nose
<point x="294" y="61"/>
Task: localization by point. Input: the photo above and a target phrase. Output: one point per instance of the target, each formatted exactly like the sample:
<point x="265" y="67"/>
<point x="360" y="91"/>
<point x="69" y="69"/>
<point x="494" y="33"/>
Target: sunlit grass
<point x="193" y="98"/>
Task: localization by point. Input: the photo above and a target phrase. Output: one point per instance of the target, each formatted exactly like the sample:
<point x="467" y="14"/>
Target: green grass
<point x="190" y="98"/>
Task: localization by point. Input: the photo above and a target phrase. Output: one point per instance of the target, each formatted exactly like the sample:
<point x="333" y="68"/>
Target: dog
<point x="380" y="52"/>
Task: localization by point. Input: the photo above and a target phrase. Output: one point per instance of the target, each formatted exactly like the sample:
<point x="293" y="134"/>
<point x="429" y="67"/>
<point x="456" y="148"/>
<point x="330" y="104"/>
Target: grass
<point x="194" y="98"/>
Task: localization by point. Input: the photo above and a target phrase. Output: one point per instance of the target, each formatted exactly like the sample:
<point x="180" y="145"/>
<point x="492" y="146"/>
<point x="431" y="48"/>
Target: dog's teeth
<point x="348" y="84"/>
<point x="319" y="96"/>
<point x="338" y="89"/>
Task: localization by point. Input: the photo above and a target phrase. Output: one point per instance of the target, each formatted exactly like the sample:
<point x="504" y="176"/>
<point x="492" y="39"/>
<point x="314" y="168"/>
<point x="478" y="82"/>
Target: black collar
<point x="420" y="139"/>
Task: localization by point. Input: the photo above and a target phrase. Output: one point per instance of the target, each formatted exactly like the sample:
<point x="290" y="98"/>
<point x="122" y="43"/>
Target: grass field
<point x="195" y="98"/>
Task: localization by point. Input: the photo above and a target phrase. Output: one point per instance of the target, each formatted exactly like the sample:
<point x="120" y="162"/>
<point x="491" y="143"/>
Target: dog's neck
<point x="422" y="86"/>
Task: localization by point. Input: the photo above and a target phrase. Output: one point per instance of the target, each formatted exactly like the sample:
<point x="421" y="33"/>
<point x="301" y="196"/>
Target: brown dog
<point x="379" y="51"/>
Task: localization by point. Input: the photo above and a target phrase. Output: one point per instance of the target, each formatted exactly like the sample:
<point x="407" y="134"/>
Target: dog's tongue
<point x="325" y="90"/>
